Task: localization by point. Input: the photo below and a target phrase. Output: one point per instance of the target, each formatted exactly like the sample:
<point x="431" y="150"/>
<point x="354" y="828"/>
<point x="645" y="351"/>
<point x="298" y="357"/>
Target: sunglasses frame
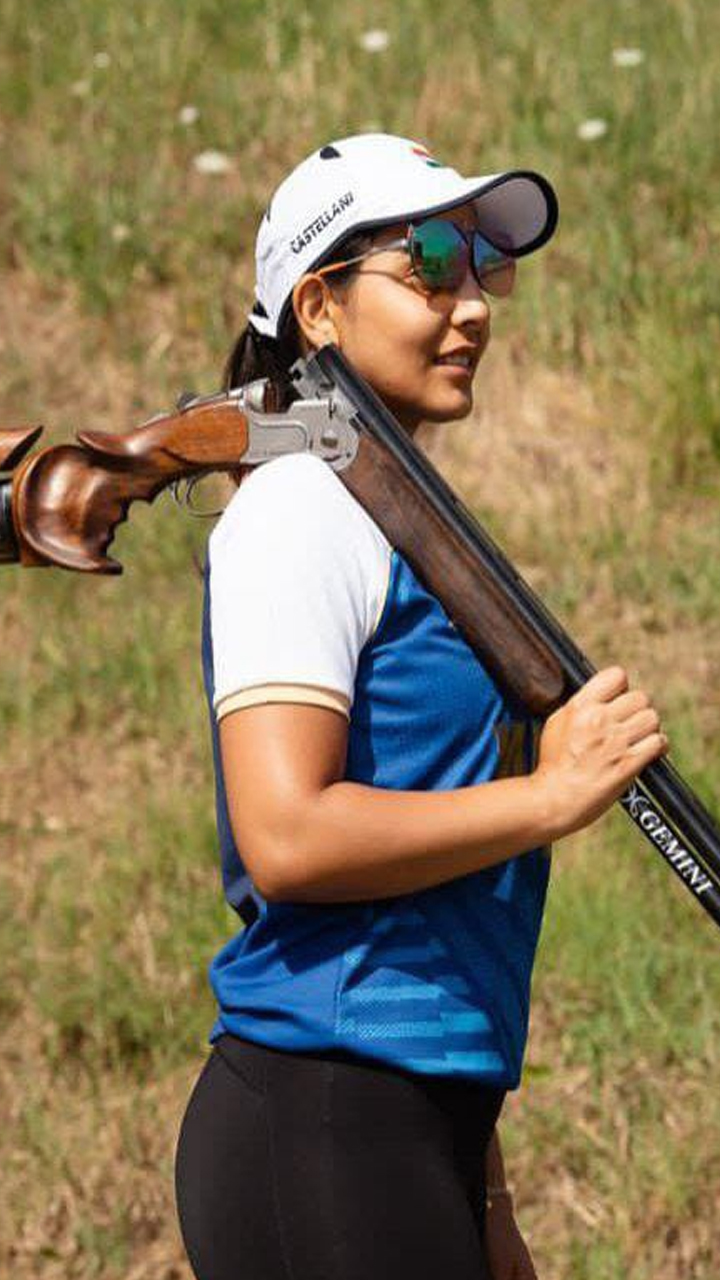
<point x="406" y="243"/>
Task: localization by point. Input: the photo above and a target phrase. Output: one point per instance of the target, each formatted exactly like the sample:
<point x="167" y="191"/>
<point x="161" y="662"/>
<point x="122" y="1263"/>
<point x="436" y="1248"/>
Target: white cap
<point x="374" y="179"/>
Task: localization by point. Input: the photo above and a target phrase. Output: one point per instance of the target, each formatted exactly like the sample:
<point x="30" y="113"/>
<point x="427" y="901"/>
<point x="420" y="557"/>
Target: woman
<point x="387" y="807"/>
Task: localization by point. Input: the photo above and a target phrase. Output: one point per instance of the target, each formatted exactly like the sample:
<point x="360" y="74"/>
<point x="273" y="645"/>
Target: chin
<point x="449" y="412"/>
<point x="411" y="416"/>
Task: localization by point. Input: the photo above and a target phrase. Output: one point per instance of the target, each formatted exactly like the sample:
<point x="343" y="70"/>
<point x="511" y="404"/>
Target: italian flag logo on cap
<point x="419" y="150"/>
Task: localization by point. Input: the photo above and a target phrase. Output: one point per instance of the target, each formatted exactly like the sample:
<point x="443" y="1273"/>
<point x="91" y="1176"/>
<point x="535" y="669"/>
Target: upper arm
<point x="276" y="759"/>
<point x="297" y="578"/>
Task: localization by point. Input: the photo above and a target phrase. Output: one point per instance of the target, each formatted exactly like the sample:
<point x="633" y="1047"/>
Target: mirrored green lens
<point x="494" y="271"/>
<point x="440" y="254"/>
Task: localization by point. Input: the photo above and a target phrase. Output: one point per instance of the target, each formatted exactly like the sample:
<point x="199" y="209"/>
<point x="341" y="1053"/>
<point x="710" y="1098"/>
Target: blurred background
<point x="140" y="145"/>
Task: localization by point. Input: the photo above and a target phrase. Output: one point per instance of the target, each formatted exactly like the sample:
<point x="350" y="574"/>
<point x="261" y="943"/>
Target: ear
<point x="316" y="310"/>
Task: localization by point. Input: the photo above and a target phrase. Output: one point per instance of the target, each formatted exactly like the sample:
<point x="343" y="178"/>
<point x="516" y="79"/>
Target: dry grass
<point x="590" y="458"/>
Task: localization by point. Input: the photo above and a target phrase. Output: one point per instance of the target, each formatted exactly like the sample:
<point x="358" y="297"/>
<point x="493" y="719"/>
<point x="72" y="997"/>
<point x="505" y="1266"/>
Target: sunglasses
<point x="441" y="252"/>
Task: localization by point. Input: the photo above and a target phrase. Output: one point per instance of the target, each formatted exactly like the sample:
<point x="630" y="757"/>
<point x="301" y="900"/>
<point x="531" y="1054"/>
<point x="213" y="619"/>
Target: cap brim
<point x="517" y="210"/>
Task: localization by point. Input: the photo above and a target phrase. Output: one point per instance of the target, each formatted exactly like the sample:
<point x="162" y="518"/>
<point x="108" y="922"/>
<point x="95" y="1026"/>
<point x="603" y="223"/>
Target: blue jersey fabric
<point x="435" y="981"/>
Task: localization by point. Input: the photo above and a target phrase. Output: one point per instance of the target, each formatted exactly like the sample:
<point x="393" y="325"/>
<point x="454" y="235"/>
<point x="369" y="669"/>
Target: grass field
<point x="592" y="456"/>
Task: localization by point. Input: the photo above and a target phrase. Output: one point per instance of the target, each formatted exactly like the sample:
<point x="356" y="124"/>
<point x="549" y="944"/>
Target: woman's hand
<point x="507" y="1254"/>
<point x="593" y="746"/>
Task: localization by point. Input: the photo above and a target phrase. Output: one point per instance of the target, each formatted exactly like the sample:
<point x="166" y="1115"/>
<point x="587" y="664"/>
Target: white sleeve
<point x="298" y="574"/>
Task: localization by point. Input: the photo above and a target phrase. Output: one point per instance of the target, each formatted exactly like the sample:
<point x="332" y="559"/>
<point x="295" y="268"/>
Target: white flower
<point x="120" y="232"/>
<point x="188" y="114"/>
<point x="80" y="88"/>
<point x="589" y="130"/>
<point x="101" y="60"/>
<point x="628" y="57"/>
<point x="215" y="162"/>
<point x="374" y="41"/>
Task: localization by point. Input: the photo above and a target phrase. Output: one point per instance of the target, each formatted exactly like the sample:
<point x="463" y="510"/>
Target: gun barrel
<point x="683" y="821"/>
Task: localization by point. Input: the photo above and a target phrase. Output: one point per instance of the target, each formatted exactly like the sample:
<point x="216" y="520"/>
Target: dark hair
<point x="257" y="355"/>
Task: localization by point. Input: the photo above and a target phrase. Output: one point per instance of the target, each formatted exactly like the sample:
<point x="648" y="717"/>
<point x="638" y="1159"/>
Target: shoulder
<point x="298" y="572"/>
<point x="284" y="474"/>
<point x="294" y="533"/>
<point x="298" y="494"/>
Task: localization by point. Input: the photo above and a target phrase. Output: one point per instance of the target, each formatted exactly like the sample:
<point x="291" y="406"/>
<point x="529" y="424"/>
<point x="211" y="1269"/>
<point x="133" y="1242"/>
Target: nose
<point x="470" y="305"/>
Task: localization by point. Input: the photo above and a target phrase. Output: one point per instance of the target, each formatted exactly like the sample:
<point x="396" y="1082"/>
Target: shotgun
<point x="62" y="505"/>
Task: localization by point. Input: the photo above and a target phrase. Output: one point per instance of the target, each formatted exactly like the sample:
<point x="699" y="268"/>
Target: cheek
<point x="393" y="341"/>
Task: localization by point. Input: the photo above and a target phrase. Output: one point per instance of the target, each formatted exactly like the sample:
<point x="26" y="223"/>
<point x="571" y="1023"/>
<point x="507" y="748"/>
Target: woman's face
<point x="396" y="333"/>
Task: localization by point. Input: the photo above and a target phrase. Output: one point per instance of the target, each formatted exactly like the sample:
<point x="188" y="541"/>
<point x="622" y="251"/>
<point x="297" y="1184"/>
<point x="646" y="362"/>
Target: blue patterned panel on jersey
<point x="438" y="980"/>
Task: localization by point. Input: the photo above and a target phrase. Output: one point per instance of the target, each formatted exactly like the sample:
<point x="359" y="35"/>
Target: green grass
<point x="631" y="281"/>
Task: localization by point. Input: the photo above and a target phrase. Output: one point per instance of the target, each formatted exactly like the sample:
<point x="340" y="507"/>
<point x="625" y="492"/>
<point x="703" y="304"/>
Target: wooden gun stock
<point x="67" y="500"/>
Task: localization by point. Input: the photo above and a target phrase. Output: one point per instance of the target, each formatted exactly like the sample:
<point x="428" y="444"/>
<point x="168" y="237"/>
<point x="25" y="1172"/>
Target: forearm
<point x="353" y="842"/>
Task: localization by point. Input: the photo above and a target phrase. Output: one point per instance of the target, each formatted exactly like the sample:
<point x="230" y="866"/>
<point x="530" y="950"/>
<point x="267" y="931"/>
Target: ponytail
<point x="257" y="355"/>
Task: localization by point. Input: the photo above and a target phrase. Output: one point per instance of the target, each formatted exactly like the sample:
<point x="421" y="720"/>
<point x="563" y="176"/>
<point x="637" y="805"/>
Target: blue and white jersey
<point x="306" y="601"/>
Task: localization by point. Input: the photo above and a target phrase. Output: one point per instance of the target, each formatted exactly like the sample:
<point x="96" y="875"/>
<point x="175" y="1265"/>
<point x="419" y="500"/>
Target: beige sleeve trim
<point x="315" y="694"/>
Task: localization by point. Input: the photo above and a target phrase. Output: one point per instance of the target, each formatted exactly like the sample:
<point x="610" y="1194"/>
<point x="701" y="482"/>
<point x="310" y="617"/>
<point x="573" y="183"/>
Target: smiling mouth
<point x="467" y="357"/>
<point x="456" y="366"/>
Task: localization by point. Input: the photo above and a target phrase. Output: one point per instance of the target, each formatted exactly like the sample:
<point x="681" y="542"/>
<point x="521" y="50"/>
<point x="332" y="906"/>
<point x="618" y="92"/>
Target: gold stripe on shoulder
<point x="383" y="600"/>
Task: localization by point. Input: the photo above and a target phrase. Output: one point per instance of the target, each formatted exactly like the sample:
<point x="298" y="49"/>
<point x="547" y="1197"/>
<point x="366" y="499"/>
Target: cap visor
<point x="517" y="211"/>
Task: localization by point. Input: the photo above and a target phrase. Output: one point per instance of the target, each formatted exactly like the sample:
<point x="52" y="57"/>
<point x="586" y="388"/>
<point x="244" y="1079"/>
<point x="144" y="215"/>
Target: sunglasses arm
<point x="347" y="262"/>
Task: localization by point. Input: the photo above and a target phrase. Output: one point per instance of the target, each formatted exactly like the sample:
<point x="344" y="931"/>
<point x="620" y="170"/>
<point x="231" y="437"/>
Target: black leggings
<point x="322" y="1167"/>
